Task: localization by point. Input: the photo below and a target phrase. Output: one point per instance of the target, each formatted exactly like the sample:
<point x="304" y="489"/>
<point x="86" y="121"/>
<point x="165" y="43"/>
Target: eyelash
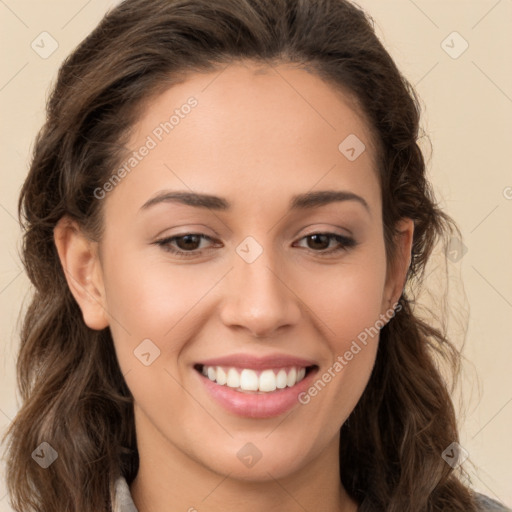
<point x="345" y="244"/>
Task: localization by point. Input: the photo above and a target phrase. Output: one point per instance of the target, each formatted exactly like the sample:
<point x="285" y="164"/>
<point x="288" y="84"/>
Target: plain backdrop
<point x="458" y="55"/>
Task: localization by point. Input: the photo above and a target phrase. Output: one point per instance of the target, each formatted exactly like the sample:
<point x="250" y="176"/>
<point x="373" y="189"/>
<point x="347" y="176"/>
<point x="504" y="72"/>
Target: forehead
<point x="245" y="128"/>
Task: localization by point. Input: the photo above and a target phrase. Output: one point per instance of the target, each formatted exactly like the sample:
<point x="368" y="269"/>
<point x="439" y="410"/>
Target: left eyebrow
<point x="323" y="197"/>
<point x="297" y="202"/>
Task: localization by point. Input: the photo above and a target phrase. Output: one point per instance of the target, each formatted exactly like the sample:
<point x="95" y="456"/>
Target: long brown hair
<point x="74" y="395"/>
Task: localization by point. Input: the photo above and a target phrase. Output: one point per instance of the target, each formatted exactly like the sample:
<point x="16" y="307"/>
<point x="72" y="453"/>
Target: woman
<point x="223" y="210"/>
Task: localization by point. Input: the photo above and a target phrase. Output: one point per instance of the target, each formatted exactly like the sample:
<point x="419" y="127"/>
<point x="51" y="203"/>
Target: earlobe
<point x="81" y="265"/>
<point x="397" y="273"/>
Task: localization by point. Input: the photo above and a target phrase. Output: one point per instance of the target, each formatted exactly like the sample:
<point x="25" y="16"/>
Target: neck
<point x="169" y="479"/>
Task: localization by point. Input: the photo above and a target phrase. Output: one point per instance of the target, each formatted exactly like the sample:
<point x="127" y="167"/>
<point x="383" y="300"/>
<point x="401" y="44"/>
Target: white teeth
<point x="248" y="379"/>
<point x="233" y="380"/>
<point x="222" y="378"/>
<point x="282" y="379"/>
<point x="267" y="381"/>
<point x="292" y="377"/>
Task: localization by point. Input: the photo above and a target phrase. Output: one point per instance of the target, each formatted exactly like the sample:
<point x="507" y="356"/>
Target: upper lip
<point x="258" y="362"/>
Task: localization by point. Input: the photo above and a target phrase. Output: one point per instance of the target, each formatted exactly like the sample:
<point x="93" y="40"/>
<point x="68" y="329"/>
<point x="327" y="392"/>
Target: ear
<point x="80" y="261"/>
<point x="397" y="269"/>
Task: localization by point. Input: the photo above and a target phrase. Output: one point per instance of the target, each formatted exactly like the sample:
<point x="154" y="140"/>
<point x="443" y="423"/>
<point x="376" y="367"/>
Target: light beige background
<point x="468" y="116"/>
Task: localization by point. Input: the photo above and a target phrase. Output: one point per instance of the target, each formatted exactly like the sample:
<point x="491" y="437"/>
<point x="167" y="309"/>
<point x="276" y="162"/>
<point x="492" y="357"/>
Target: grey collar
<point x="123" y="500"/>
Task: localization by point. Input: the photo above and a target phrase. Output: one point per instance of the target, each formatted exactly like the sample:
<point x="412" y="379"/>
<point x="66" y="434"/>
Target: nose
<point x="259" y="298"/>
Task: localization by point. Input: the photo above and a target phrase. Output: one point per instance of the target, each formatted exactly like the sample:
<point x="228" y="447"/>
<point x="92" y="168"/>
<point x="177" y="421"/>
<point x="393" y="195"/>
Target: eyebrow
<point x="297" y="202"/>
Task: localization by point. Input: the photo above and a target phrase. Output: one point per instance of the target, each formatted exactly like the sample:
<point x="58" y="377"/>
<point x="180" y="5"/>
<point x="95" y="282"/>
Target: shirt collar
<point x="123" y="499"/>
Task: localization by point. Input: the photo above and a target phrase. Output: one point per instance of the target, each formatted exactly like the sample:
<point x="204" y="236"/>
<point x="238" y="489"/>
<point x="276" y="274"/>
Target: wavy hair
<point x="74" y="395"/>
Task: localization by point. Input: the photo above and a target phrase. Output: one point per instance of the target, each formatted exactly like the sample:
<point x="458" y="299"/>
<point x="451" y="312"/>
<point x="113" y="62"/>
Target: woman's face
<point x="283" y="270"/>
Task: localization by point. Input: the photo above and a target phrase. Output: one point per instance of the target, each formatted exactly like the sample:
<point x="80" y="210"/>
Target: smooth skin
<point x="258" y="136"/>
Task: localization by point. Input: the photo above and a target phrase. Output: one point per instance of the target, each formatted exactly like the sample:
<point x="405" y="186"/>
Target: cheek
<point x="349" y="308"/>
<point x="151" y="296"/>
<point x="348" y="305"/>
<point x="152" y="316"/>
<point x="349" y="299"/>
<point x="150" y="300"/>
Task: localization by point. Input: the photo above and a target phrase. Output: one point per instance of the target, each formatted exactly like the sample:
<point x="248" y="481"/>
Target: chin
<point x="250" y="464"/>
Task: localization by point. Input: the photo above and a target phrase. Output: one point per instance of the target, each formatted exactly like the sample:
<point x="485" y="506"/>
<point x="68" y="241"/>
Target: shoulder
<point x="486" y="504"/>
<point x="123" y="499"/>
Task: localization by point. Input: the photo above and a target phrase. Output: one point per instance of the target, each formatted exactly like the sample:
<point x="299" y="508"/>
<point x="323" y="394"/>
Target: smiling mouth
<point x="248" y="380"/>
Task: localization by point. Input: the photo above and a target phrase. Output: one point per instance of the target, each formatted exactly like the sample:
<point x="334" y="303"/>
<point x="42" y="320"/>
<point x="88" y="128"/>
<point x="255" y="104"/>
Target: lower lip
<point x="254" y="405"/>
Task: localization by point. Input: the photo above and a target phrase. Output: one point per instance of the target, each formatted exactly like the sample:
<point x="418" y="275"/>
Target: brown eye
<point x="187" y="244"/>
<point x="319" y="243"/>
